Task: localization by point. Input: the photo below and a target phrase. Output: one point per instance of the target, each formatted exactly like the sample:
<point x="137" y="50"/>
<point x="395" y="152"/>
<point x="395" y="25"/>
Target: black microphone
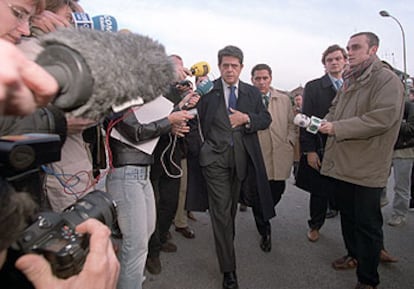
<point x="97" y="70"/>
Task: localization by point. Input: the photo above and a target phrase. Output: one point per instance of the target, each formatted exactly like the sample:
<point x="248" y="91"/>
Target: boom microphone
<point x="199" y="69"/>
<point x="105" y="23"/>
<point x="96" y="70"/>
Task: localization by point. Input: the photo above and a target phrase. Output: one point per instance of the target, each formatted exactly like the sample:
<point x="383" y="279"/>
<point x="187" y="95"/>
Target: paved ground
<point x="293" y="263"/>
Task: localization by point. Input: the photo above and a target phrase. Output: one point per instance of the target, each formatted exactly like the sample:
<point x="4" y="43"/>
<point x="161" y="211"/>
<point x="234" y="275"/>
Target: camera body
<point x="53" y="234"/>
<point x="55" y="238"/>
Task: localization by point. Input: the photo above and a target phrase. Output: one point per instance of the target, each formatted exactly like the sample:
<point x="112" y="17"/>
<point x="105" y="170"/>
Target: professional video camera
<point x="53" y="234"/>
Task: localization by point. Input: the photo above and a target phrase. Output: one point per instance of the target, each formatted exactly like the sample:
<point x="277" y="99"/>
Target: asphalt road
<point x="293" y="263"/>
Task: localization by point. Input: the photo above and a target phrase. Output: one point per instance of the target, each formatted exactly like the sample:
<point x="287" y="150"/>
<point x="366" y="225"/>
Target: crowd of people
<point x="237" y="143"/>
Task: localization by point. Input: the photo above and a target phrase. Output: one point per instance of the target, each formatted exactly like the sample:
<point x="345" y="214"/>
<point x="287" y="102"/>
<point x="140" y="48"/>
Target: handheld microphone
<point x="199" y="69"/>
<point x="311" y="124"/>
<point x="204" y="87"/>
<point x="96" y="70"/>
<point x="105" y="23"/>
<point x="82" y="20"/>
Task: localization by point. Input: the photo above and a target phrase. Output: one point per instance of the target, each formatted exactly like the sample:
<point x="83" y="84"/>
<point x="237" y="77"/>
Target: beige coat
<point x="366" y="119"/>
<point x="277" y="142"/>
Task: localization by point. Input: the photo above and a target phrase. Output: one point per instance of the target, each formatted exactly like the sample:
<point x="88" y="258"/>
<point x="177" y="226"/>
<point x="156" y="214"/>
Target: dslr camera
<point x="53" y="234"/>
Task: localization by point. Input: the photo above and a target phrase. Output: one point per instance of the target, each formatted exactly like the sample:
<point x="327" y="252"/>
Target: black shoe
<point x="230" y="280"/>
<point x="153" y="265"/>
<point x="331" y="214"/>
<point x="266" y="243"/>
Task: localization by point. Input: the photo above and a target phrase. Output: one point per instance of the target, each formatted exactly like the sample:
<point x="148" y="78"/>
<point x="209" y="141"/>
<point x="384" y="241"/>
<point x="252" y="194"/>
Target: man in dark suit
<point x="230" y="116"/>
<point x="318" y="96"/>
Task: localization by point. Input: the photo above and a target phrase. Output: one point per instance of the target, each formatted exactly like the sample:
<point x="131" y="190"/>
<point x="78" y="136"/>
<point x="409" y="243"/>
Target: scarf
<point x="352" y="73"/>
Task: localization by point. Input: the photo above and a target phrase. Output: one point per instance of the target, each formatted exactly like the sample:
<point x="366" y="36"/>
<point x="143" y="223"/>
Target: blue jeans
<point x="402" y="185"/>
<point x="132" y="191"/>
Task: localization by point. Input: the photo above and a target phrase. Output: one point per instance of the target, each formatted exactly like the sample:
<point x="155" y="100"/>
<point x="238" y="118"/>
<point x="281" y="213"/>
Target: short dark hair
<point x="373" y="39"/>
<point x="230" y="50"/>
<point x="261" y="66"/>
<point x="331" y="49"/>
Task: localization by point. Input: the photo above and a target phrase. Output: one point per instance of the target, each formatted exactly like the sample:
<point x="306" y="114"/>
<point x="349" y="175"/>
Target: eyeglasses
<point x="21" y="15"/>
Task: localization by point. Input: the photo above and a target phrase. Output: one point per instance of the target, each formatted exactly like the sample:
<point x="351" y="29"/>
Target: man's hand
<point x="238" y="118"/>
<point x="178" y="120"/>
<point x="313" y="160"/>
<point x="327" y="128"/>
<point x="190" y="100"/>
<point x="24" y="85"/>
<point x="100" y="271"/>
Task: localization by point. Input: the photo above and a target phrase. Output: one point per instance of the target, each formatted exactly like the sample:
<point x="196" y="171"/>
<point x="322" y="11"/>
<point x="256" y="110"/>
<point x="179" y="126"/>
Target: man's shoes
<point x="230" y="280"/>
<point x="186" y="232"/>
<point x="344" y="263"/>
<point x="386" y="257"/>
<point x="331" y="214"/>
<point x="313" y="235"/>
<point x="153" y="265"/>
<point x="364" y="286"/>
<point x="168" y="247"/>
<point x="266" y="243"/>
<point x="168" y="235"/>
<point x="190" y="215"/>
<point x="242" y="208"/>
<point x="396" y="220"/>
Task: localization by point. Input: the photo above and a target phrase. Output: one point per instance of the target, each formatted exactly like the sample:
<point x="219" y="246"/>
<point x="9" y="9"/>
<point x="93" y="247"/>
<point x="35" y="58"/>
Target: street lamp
<point x="384" y="13"/>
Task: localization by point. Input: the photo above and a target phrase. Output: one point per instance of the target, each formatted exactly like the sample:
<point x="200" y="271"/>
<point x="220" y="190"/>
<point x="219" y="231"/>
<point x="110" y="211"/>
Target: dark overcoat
<point x="248" y="101"/>
<point x="317" y="98"/>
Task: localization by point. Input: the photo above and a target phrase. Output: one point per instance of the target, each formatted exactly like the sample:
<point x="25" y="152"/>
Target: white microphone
<point x="312" y="124"/>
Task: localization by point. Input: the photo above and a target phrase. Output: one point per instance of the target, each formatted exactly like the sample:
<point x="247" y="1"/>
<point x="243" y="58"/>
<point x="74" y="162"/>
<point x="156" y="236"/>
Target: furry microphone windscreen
<point x="123" y="66"/>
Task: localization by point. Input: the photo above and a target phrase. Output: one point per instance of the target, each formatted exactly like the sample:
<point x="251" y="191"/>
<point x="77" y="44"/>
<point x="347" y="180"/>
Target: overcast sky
<point x="288" y="35"/>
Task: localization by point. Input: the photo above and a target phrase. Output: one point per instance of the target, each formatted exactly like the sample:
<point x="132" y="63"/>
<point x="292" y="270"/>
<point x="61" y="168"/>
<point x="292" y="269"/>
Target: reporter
<point x="100" y="271"/>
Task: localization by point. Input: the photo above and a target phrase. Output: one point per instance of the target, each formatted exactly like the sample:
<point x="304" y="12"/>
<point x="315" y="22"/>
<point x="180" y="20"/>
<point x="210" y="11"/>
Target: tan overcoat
<point x="278" y="141"/>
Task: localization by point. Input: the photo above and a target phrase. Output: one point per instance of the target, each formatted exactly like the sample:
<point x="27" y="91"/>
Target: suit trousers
<point x="223" y="187"/>
<point x="277" y="188"/>
<point x="166" y="190"/>
<point x="361" y="224"/>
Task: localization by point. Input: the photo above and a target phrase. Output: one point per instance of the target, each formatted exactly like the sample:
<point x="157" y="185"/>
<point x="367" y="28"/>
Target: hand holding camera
<point x="101" y="258"/>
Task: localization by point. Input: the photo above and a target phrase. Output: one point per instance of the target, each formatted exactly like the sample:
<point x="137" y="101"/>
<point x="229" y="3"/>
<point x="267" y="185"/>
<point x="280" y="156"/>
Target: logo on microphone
<point x="82" y="20"/>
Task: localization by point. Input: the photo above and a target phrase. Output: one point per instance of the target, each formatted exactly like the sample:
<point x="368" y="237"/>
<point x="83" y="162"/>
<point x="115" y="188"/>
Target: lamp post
<point x="384" y="13"/>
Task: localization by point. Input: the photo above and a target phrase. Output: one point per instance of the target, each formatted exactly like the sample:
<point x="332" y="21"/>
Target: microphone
<point x="96" y="70"/>
<point x="105" y="23"/>
<point x="199" y="69"/>
<point x="82" y="20"/>
<point x="311" y="124"/>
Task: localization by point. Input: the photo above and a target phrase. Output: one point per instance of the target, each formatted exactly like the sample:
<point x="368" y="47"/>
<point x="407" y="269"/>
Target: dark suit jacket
<point x="248" y="101"/>
<point x="317" y="98"/>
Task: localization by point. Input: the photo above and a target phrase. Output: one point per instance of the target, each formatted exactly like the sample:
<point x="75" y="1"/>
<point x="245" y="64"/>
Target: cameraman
<point x="24" y="86"/>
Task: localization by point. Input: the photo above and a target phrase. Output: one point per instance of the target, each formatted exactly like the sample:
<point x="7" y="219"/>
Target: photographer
<point x="24" y="86"/>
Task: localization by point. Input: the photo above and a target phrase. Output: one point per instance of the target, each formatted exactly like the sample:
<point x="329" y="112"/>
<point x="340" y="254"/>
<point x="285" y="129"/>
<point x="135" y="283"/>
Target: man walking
<point x="362" y="127"/>
<point x="277" y="144"/>
<point x="230" y="116"/>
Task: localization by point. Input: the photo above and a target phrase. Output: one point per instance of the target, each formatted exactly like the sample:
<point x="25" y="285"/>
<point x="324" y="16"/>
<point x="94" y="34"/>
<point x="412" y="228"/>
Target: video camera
<point x="53" y="234"/>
